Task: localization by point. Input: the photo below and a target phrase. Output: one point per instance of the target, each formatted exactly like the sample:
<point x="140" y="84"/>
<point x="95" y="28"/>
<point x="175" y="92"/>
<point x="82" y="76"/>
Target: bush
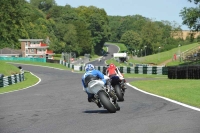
<point x="58" y="55"/>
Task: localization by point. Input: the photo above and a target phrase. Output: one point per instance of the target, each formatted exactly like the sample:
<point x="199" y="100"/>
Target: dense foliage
<point x="82" y="30"/>
<point x="191" y="16"/>
<point x="141" y="34"/>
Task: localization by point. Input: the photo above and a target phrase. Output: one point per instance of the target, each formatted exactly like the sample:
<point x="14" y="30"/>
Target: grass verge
<point x="126" y="75"/>
<point x="156" y="58"/>
<point x="8" y="69"/>
<point x="182" y="90"/>
<point x="43" y="64"/>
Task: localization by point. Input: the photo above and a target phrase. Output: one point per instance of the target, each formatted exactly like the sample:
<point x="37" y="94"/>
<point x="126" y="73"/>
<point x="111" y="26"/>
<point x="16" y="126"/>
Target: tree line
<point x="83" y="30"/>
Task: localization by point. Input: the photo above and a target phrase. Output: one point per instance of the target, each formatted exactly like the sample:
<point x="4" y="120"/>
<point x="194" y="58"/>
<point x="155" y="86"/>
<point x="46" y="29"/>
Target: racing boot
<point x="117" y="106"/>
<point x="108" y="84"/>
<point x="124" y="88"/>
<point x="97" y="102"/>
<point x="90" y="97"/>
<point x="113" y="95"/>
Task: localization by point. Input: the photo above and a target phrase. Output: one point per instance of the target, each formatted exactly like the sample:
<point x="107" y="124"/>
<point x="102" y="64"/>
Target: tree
<point x="43" y="5"/>
<point x="124" y="26"/>
<point x="70" y="38"/>
<point x="131" y="39"/>
<point x="98" y="25"/>
<point x="149" y="34"/>
<point x="114" y="23"/>
<point x="191" y="16"/>
<point x="198" y="38"/>
<point x="12" y="24"/>
<point x="84" y="38"/>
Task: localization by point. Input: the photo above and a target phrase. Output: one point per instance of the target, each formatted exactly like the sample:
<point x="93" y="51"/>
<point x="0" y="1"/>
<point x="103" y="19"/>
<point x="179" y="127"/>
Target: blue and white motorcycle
<point x="107" y="99"/>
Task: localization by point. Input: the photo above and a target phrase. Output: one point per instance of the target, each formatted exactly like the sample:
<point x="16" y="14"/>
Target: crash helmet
<point x="89" y="67"/>
<point x="112" y="65"/>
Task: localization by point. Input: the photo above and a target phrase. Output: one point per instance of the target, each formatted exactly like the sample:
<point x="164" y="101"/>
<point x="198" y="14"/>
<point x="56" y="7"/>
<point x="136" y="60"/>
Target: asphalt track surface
<point x="59" y="105"/>
<point x="111" y="49"/>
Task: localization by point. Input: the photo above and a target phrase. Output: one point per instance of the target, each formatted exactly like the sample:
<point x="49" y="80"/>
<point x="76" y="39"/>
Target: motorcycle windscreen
<point x="94" y="86"/>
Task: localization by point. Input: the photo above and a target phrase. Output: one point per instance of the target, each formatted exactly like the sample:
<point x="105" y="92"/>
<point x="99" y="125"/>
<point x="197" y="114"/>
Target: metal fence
<point x="160" y="70"/>
<point x="23" y="59"/>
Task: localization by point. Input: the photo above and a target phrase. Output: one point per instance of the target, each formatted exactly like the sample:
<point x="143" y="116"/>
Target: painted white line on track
<point x="33" y="75"/>
<point x="36" y="65"/>
<point x="43" y="66"/>
<point x="173" y="101"/>
<point x="26" y="87"/>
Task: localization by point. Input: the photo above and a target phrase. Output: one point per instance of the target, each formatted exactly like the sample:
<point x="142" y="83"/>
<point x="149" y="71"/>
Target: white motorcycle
<point x="104" y="95"/>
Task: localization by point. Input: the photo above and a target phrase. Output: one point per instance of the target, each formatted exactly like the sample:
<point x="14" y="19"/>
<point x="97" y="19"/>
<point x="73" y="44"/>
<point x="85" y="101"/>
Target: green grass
<point x="115" y="62"/>
<point x="126" y="75"/>
<point x="8" y="69"/>
<point x="105" y="49"/>
<point x="57" y="58"/>
<point x="93" y="57"/>
<point x="163" y="56"/>
<point x="185" y="91"/>
<point x="29" y="80"/>
<point x="158" y="57"/>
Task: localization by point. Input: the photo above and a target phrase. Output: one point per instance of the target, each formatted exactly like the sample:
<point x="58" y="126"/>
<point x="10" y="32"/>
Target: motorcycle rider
<point x="92" y="74"/>
<point x="112" y="70"/>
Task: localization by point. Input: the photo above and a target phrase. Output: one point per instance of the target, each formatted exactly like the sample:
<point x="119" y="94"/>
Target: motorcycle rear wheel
<point x="119" y="93"/>
<point x="105" y="101"/>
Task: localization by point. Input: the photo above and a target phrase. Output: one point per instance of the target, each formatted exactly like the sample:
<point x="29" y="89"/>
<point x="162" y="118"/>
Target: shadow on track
<point x="96" y="111"/>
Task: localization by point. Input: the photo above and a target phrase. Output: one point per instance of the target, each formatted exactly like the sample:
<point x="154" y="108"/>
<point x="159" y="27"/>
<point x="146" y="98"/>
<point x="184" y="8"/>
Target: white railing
<point x="34" y="45"/>
<point x="41" y="52"/>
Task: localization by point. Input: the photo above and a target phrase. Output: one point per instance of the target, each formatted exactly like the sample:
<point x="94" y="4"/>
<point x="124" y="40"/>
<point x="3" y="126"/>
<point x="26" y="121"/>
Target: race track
<point x="111" y="49"/>
<point x="59" y="105"/>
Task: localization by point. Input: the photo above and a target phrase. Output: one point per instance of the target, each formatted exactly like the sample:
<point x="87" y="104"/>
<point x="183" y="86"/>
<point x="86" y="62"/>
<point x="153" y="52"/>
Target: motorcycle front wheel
<point x="105" y="101"/>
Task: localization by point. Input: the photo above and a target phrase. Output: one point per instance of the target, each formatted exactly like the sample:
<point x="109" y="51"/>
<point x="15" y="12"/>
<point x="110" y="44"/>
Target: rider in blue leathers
<point x="89" y="75"/>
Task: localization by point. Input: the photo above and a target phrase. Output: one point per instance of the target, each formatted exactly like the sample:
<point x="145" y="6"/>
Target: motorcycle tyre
<point x="106" y="102"/>
<point x="119" y="93"/>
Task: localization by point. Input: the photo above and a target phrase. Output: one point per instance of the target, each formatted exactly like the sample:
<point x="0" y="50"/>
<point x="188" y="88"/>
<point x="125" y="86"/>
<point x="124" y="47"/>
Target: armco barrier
<point x="159" y="70"/>
<point x="10" y="80"/>
<point x="70" y="65"/>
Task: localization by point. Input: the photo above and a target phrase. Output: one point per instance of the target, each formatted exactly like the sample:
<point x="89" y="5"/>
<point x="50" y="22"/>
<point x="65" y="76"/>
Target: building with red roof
<point x="35" y="48"/>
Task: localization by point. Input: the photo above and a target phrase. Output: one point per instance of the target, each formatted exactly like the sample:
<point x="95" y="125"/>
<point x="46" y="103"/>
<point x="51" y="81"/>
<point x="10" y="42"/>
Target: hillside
<point x="183" y="34"/>
<point x="162" y="58"/>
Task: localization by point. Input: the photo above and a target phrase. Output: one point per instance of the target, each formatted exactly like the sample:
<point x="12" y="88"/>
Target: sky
<point x="154" y="9"/>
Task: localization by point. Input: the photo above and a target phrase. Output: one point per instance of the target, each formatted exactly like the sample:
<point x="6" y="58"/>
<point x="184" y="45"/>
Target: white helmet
<point x="89" y="67"/>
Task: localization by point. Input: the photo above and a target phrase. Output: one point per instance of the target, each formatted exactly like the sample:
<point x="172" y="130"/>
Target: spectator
<point x="174" y="56"/>
<point x="21" y="69"/>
